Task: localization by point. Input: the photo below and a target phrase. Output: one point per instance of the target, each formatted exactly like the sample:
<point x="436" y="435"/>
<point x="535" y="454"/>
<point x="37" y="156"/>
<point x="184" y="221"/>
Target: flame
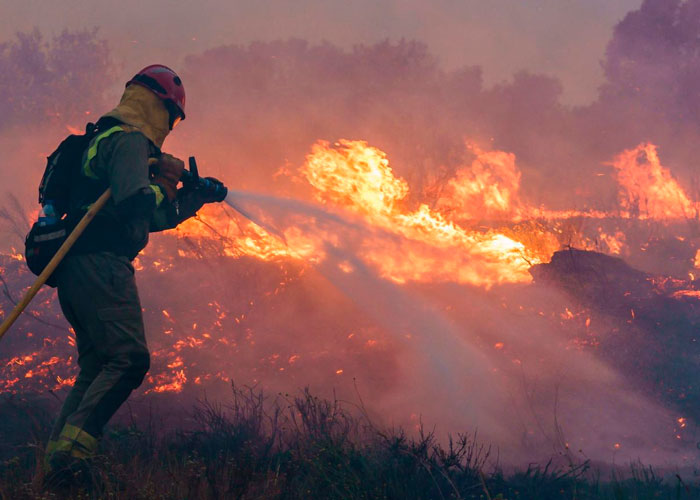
<point x="647" y="189"/>
<point x="402" y="243"/>
<point x="488" y="189"/>
<point x="357" y="177"/>
<point x="446" y="241"/>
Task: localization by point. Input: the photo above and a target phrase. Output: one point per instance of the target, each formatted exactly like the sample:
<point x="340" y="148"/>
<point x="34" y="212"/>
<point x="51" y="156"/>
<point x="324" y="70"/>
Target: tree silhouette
<point x="59" y="80"/>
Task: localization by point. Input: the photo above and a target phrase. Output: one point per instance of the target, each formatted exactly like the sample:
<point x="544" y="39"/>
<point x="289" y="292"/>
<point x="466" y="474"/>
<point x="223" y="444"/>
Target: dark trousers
<point x="99" y="298"/>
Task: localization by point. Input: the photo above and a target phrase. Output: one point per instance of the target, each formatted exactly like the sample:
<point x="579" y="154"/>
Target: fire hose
<point x="190" y="177"/>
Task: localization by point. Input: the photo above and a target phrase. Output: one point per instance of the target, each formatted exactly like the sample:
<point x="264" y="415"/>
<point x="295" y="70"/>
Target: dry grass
<point x="291" y="447"/>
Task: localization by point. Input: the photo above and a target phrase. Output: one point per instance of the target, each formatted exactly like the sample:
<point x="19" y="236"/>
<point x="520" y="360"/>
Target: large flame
<point x="403" y="243"/>
<point x="358" y="177"/>
<point x="479" y="231"/>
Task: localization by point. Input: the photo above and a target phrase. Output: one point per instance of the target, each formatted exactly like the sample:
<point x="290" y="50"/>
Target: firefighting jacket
<point x="117" y="157"/>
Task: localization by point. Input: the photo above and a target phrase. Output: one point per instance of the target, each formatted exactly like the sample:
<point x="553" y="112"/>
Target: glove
<point x="193" y="197"/>
<point x="211" y="190"/>
<point x="169" y="170"/>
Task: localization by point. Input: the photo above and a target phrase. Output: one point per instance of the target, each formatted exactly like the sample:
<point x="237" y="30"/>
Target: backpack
<point x="47" y="234"/>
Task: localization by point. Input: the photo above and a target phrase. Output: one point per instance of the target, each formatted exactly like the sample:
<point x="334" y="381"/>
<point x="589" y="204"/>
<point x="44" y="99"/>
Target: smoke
<point x="47" y="87"/>
<point x="398" y="98"/>
<point x="257" y="108"/>
<point x="60" y="81"/>
<point x="537" y="392"/>
<point x="254" y="110"/>
<point x="560" y="39"/>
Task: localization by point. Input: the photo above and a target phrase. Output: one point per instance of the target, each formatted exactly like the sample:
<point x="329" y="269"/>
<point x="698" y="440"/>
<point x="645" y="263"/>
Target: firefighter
<point x="96" y="286"/>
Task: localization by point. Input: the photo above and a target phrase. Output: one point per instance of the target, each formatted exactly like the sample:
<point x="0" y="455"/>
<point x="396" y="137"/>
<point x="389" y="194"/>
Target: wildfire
<point x="478" y="230"/>
<point x="358" y="178"/>
<point x="404" y="244"/>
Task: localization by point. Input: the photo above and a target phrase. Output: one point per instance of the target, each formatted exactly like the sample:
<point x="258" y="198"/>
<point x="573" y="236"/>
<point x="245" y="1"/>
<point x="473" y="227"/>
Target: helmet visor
<point x="174" y="113"/>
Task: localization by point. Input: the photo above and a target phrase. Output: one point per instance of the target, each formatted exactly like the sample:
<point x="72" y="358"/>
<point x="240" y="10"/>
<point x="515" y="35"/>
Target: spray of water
<point x="249" y="205"/>
<point x="541" y="397"/>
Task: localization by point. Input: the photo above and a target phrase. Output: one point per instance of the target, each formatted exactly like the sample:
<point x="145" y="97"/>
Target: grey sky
<point x="563" y="38"/>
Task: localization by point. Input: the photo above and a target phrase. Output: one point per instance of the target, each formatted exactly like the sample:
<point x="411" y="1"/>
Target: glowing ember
<point x="167" y="383"/>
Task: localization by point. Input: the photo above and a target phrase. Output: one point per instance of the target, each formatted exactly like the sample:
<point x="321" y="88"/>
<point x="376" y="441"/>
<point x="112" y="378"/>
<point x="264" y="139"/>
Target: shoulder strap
<point x="91" y="152"/>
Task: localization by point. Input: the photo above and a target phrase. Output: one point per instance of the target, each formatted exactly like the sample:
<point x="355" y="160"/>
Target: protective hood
<point x="144" y="111"/>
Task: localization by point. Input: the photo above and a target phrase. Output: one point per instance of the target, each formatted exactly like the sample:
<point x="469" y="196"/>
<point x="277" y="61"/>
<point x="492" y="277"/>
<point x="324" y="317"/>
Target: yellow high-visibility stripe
<point x="92" y="150"/>
<point x="76" y="441"/>
<point x="159" y="194"/>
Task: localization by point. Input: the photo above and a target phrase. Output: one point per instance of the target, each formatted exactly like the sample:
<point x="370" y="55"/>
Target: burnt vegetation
<point x="660" y="313"/>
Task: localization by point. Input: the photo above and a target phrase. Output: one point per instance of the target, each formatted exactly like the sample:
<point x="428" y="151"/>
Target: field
<point x="300" y="446"/>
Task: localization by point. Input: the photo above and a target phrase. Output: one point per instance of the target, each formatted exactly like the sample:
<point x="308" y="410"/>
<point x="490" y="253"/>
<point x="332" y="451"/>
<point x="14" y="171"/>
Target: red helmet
<point x="164" y="83"/>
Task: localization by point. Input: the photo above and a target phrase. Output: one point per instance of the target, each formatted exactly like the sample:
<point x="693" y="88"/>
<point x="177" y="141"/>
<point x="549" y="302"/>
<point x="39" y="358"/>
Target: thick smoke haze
<point x="256" y="106"/>
<point x="564" y="39"/>
<point x="399" y="98"/>
<point x="260" y="97"/>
